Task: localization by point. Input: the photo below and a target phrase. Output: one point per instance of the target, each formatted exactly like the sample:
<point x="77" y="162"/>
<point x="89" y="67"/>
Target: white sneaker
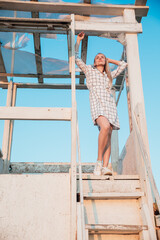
<point x="98" y="168"/>
<point x="106" y="171"/>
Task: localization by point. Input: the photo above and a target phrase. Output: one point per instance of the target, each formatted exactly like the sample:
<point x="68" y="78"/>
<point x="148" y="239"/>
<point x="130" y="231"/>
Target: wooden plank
<point x="95" y="28"/>
<point x="2" y="67"/>
<point x="86" y="176"/>
<point x="147" y="164"/>
<point x="6" y="134"/>
<point x="115" y="228"/>
<point x="91" y="28"/>
<point x="76" y="8"/>
<point x="37" y="47"/>
<point x="12" y="121"/>
<point x="36" y="76"/>
<point x="105" y="186"/>
<point x="140" y="3"/>
<point x="73" y="196"/>
<point x="33" y="113"/>
<point x="126" y="177"/>
<point x="83" y="55"/>
<point x="113" y="195"/>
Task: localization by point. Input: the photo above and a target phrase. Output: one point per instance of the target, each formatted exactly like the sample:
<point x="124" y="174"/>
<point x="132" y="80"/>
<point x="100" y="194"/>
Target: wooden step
<point x="115" y="228"/>
<point x="91" y="176"/>
<point x="113" y="195"/>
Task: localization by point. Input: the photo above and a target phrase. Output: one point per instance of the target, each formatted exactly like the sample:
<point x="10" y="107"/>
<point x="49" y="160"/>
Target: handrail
<point x="80" y="184"/>
<point x="146" y="161"/>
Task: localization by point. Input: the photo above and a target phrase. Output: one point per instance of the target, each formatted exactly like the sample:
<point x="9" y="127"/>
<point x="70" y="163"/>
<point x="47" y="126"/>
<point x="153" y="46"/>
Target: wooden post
<point x="12" y="122"/>
<point x="114" y="146"/>
<point x="136" y="97"/>
<point x="6" y="135"/>
<point x="134" y="75"/>
<point x="73" y="136"/>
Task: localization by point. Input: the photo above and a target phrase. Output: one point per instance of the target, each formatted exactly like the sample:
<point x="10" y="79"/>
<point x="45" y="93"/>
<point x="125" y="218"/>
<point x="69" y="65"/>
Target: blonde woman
<point x="102" y="103"/>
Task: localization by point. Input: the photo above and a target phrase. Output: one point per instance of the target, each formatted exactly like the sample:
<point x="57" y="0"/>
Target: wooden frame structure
<point x="130" y="27"/>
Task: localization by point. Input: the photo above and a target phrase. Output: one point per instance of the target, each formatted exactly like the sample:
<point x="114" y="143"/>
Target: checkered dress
<point x="101" y="99"/>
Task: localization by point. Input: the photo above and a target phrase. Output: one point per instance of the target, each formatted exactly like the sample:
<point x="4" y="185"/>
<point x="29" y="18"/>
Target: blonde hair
<point x="106" y="69"/>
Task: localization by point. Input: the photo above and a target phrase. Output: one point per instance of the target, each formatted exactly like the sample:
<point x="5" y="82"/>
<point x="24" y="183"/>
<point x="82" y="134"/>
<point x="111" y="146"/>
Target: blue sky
<point x="50" y="141"/>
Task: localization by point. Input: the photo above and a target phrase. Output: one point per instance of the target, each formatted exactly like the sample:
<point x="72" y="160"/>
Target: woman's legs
<point x="107" y="151"/>
<point x="104" y="140"/>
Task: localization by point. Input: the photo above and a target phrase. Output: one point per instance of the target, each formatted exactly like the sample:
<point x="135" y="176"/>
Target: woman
<point x="102" y="103"/>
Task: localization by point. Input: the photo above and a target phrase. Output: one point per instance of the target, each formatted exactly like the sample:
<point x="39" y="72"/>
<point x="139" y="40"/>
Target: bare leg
<point x="107" y="151"/>
<point x="104" y="137"/>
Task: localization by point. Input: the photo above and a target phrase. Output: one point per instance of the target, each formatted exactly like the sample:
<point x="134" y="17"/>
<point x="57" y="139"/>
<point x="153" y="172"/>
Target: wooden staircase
<point x="114" y="208"/>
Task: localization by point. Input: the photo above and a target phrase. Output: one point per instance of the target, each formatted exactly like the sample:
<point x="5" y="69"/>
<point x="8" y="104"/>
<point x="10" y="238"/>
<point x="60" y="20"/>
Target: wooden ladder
<point x="114" y="208"/>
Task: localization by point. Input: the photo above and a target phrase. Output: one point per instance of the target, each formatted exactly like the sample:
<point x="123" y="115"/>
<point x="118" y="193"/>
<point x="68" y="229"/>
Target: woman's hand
<point x="80" y="37"/>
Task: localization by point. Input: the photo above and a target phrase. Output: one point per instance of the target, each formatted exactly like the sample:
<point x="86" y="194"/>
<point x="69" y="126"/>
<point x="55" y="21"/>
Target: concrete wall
<point x="34" y="206"/>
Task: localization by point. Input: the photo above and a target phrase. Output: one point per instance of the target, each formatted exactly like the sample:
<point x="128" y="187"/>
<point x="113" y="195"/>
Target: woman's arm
<point x="116" y="62"/>
<point x="78" y="60"/>
<point x="121" y="66"/>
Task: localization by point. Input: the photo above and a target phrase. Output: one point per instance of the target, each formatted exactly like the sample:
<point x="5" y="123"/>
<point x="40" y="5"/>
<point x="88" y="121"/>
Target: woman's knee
<point x="106" y="127"/>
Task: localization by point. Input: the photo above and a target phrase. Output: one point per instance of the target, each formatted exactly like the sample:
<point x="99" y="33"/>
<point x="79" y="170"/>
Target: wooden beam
<point x="91" y="28"/>
<point x="2" y="67"/>
<point x="84" y="47"/>
<point x="36" y="76"/>
<point x="37" y="47"/>
<point x="140" y="3"/>
<point x="76" y="8"/>
<point x="113" y="195"/>
<point x="94" y="28"/>
<point x="84" y="55"/>
<point x="33" y="113"/>
<point x="6" y="133"/>
<point x="115" y="228"/>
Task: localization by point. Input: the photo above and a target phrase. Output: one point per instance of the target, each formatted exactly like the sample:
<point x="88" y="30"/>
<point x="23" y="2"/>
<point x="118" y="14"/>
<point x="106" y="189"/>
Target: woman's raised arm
<point x="78" y="60"/>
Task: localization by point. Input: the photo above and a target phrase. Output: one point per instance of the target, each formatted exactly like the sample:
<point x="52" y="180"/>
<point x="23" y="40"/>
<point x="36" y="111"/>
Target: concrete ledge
<point x="37" y="167"/>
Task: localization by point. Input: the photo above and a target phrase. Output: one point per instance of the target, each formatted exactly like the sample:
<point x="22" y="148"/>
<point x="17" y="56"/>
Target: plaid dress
<point x="100" y="94"/>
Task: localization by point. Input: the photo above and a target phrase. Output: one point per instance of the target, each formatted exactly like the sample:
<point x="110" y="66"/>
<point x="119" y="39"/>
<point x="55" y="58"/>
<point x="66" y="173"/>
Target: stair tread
<point x="113" y="195"/>
<point x="91" y="176"/>
<point x="116" y="228"/>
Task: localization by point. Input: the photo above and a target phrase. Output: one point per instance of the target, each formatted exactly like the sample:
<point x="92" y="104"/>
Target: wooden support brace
<point x="33" y="113"/>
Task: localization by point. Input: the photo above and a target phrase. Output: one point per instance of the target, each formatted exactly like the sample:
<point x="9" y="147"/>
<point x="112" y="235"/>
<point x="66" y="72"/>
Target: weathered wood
<point x="36" y="76"/>
<point x="2" y="67"/>
<point x="94" y="28"/>
<point x="128" y="101"/>
<point x="12" y="121"/>
<point x="91" y="28"/>
<point x="109" y="185"/>
<point x="134" y="76"/>
<point x="73" y="227"/>
<point x="84" y="55"/>
<point x="33" y="113"/>
<point x="37" y="47"/>
<point x="149" y="219"/>
<point x="113" y="195"/>
<point x="112" y="211"/>
<point x="140" y="3"/>
<point x="115" y="228"/>
<point x="76" y="8"/>
<point x="6" y="134"/>
<point x="147" y="164"/>
<point x="127" y="160"/>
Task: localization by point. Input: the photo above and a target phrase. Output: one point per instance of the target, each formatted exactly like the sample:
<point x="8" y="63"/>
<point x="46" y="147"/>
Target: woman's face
<point x="99" y="60"/>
